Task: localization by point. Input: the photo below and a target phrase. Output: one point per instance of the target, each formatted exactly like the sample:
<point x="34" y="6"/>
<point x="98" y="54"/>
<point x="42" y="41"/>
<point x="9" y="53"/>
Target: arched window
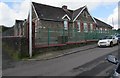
<point x="85" y="27"/>
<point x="91" y="27"/>
<point x="101" y="30"/>
<point x="65" y="24"/>
<point x="78" y="23"/>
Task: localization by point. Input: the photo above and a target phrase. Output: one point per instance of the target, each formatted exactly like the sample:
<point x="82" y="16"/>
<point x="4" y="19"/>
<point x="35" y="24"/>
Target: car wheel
<point x="111" y="44"/>
<point x="99" y="46"/>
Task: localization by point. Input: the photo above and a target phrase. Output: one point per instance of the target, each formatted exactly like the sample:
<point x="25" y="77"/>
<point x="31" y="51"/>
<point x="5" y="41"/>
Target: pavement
<point x="56" y="54"/>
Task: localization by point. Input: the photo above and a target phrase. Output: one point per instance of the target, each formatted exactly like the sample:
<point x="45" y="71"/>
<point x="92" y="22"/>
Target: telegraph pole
<point x="118" y="27"/>
<point x="112" y="22"/>
<point x="30" y="30"/>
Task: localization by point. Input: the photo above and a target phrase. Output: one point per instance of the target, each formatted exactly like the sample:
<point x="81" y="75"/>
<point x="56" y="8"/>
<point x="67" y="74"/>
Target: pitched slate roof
<point x="50" y="12"/>
<point x="54" y="13"/>
<point x="102" y="24"/>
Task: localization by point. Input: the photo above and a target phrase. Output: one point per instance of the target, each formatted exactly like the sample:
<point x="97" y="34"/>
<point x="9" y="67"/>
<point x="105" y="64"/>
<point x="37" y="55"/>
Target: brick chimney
<point x="64" y="7"/>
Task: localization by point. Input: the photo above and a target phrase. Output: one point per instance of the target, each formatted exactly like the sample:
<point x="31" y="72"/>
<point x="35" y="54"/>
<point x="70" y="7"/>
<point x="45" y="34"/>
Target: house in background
<point x="18" y="28"/>
<point x="102" y="26"/>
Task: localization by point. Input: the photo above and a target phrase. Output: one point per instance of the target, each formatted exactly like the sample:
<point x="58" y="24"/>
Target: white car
<point x="108" y="41"/>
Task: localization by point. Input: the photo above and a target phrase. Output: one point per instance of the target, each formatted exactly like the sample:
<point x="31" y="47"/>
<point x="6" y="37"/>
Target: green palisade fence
<point x="50" y="36"/>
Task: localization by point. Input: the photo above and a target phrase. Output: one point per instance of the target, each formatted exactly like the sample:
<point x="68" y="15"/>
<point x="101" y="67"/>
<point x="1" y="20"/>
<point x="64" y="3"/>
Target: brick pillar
<point x="81" y="26"/>
<point x="94" y="26"/>
<point x="88" y="26"/>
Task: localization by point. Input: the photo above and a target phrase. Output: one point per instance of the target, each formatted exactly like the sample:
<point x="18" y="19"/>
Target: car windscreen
<point x="118" y="35"/>
<point x="107" y="37"/>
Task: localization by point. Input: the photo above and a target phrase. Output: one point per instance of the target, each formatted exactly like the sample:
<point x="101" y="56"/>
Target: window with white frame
<point x="101" y="30"/>
<point x="36" y="22"/>
<point x="105" y="29"/>
<point x="78" y="23"/>
<point x="85" y="27"/>
<point x="96" y="28"/>
<point x="65" y="24"/>
<point x="36" y="27"/>
<point x="91" y="27"/>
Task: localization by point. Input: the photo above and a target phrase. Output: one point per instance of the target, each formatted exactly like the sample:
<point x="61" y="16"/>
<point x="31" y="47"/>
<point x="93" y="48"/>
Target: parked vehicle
<point x="118" y="37"/>
<point x="116" y="71"/>
<point x="108" y="41"/>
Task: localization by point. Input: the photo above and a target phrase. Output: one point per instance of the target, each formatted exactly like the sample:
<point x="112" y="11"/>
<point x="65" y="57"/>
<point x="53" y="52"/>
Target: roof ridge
<point x="50" y="6"/>
<point x="71" y="13"/>
<point x="79" y="8"/>
<point x="57" y="7"/>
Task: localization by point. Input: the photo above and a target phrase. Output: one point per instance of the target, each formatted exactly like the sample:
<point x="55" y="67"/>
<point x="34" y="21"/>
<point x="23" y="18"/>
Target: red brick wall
<point x="88" y="26"/>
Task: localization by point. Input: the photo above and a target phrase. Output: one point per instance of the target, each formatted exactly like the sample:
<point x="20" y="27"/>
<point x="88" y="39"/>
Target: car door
<point x="114" y="40"/>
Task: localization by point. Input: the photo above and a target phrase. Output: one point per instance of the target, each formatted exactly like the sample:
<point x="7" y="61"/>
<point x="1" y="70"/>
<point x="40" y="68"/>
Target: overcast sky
<point x="105" y="10"/>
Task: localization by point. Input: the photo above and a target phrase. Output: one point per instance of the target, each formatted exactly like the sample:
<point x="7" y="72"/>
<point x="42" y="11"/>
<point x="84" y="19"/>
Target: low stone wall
<point x="19" y="46"/>
<point x="16" y="44"/>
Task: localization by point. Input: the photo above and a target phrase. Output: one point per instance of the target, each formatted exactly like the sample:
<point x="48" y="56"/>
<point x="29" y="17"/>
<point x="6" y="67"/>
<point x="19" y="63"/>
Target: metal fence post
<point x="63" y="32"/>
<point x="118" y="51"/>
<point x="75" y="34"/>
<point x="48" y="36"/>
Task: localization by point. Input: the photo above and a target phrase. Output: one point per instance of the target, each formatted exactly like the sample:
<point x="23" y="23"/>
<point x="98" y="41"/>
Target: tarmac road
<point x="77" y="64"/>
